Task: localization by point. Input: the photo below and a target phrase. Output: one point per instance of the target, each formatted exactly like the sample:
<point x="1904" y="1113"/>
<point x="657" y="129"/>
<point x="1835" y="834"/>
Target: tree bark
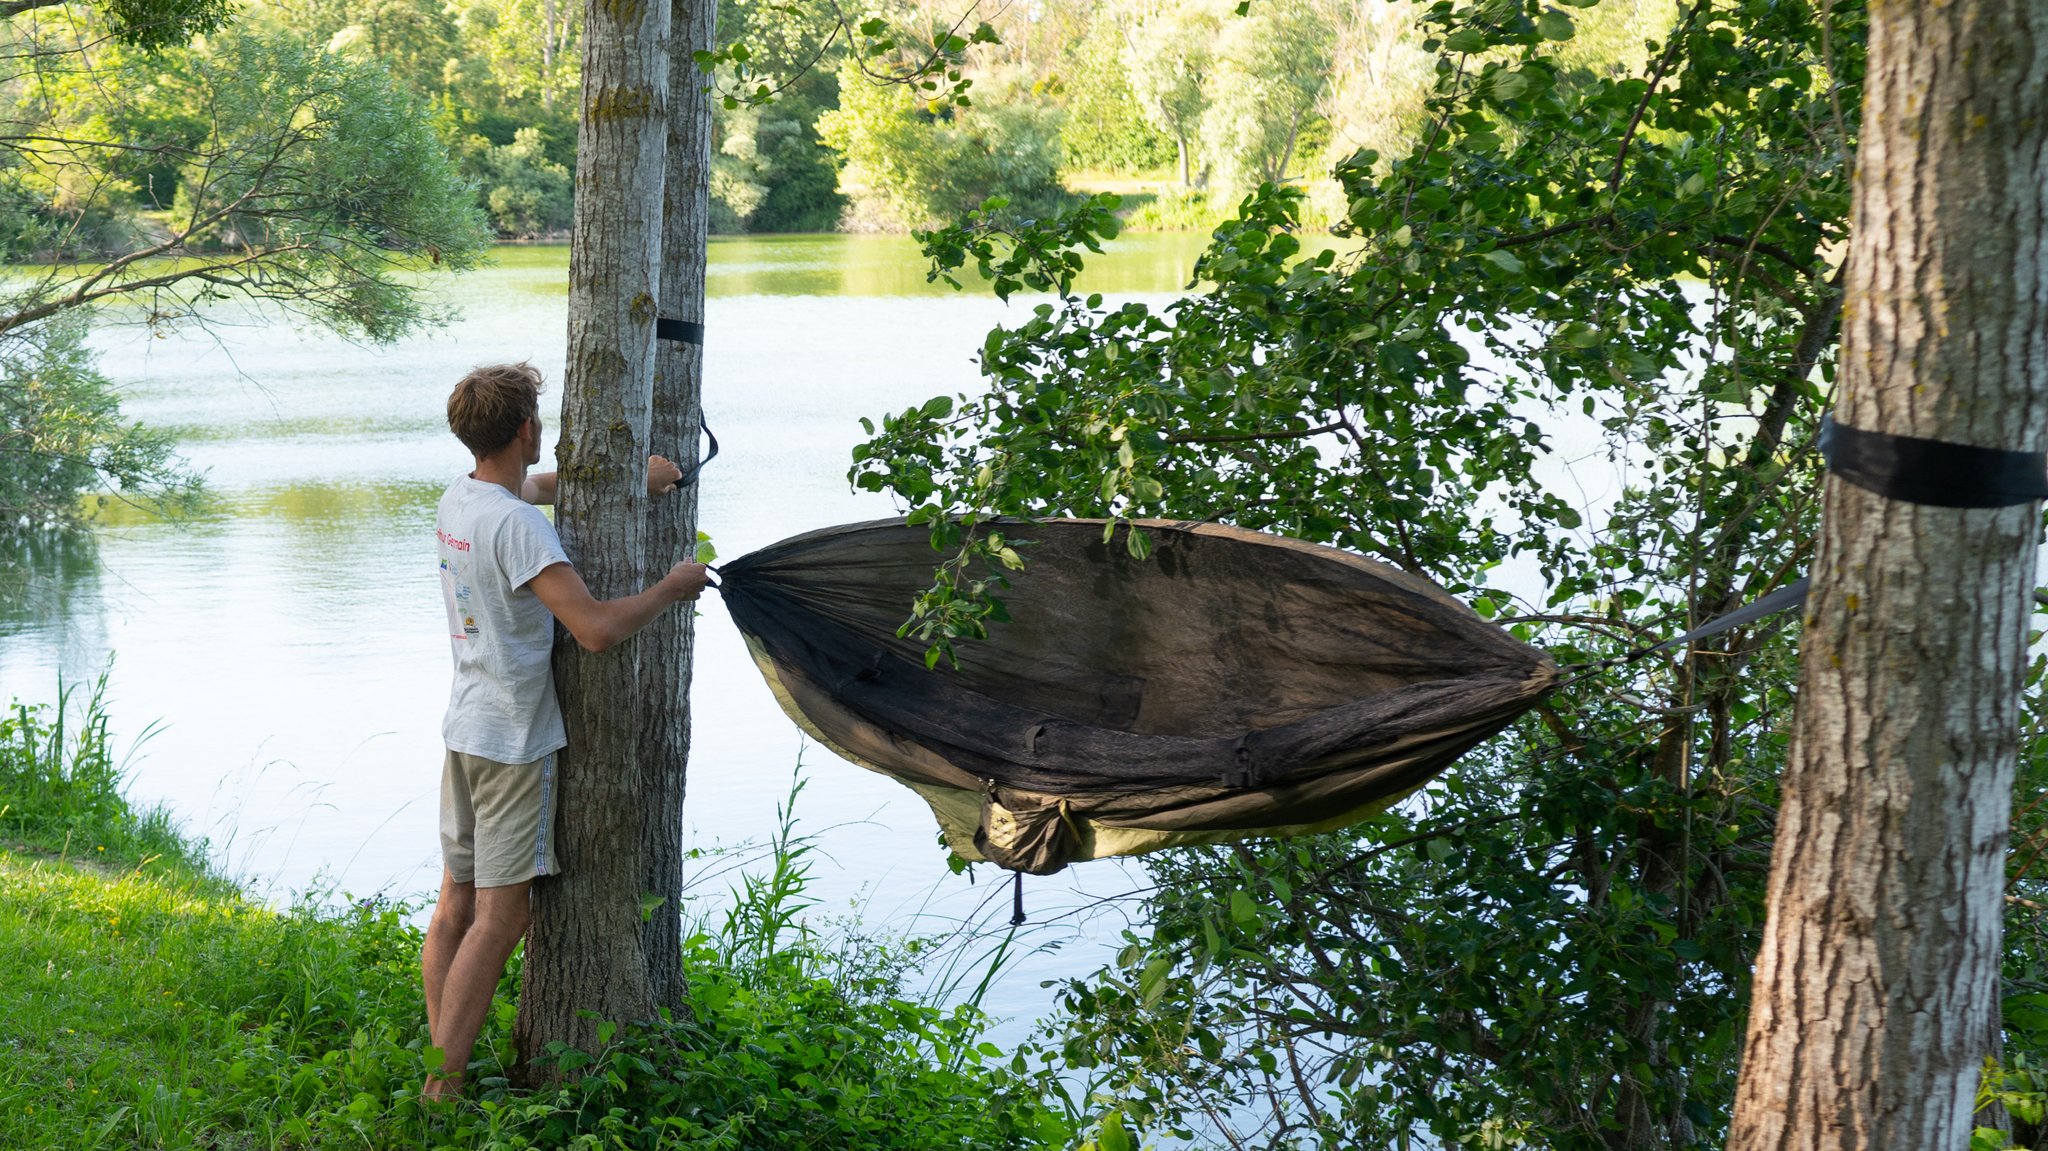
<point x="583" y="950"/>
<point x="1879" y="967"/>
<point x="666" y="646"/>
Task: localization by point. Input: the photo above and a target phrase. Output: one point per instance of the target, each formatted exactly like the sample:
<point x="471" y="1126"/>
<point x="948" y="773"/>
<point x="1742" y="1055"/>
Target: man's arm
<point x="598" y="624"/>
<point x="662" y="477"/>
<point x="539" y="488"/>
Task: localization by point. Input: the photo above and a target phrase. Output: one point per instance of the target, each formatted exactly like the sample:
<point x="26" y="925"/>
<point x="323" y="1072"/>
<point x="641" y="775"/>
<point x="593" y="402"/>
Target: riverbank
<point x="151" y="1003"/>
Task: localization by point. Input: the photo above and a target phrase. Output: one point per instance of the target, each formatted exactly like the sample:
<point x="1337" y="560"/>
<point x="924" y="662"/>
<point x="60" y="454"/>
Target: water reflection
<point x="51" y="579"/>
<point x="868" y="266"/>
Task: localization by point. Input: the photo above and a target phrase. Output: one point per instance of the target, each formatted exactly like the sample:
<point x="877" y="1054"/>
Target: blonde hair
<point x="488" y="405"/>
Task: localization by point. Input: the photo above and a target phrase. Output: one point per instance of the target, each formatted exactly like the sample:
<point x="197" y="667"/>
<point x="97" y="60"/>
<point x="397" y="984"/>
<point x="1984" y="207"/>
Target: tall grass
<point x="146" y="1003"/>
<point x="61" y="784"/>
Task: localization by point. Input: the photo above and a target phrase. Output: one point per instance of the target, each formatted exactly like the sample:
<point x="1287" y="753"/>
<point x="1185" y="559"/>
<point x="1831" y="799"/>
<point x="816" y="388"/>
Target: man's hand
<point x="686" y="580"/>
<point x="662" y="476"/>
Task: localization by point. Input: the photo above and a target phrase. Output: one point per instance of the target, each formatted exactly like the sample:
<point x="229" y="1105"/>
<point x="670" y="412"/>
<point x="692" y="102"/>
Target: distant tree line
<point x="1190" y="102"/>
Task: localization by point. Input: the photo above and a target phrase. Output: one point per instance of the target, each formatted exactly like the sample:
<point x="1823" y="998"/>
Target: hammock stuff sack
<point x="1233" y="685"/>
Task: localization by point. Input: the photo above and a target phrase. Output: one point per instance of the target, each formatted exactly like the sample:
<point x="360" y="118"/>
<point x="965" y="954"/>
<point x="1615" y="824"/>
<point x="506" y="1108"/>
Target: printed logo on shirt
<point x="455" y="593"/>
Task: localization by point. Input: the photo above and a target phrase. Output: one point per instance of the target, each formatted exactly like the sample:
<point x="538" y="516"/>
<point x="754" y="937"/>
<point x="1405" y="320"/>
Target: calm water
<point x="288" y="644"/>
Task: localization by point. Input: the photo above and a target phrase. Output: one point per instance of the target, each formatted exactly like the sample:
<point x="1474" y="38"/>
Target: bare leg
<point x="500" y="920"/>
<point x="453" y="914"/>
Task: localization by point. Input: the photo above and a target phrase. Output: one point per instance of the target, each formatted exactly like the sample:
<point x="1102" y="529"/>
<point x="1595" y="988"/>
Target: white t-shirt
<point x="502" y="705"/>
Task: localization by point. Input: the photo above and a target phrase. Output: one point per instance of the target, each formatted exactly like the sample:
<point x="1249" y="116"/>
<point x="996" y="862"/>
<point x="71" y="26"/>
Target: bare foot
<point x="442" y="1089"/>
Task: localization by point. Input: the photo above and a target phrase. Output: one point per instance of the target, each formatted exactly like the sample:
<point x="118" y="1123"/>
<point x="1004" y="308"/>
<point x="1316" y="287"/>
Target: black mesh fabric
<point x="1233" y="684"/>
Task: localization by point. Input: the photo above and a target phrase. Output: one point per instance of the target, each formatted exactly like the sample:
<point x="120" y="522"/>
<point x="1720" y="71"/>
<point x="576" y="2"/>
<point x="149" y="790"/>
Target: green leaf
<point x="1466" y="40"/>
<point x="1508" y="84"/>
<point x="1555" y="25"/>
<point x="1504" y="260"/>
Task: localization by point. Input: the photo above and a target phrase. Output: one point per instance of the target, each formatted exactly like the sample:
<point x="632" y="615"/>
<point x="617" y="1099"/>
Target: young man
<point x="506" y="581"/>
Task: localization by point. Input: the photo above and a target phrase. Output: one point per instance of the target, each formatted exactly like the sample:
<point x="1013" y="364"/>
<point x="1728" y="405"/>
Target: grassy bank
<point x="146" y="1002"/>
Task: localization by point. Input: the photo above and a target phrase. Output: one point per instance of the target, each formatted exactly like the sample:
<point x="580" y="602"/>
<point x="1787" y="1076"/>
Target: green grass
<point x="145" y="1002"/>
<point x="1190" y="210"/>
<point x="152" y="1007"/>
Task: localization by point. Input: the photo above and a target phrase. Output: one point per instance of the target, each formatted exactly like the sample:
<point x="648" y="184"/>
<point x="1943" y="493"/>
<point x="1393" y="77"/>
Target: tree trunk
<point x="666" y="645"/>
<point x="583" y="951"/>
<point x="547" y="55"/>
<point x="1879" y="965"/>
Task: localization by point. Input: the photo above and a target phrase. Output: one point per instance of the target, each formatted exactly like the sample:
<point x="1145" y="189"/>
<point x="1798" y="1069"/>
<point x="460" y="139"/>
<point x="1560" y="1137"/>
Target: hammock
<point x="1233" y="685"/>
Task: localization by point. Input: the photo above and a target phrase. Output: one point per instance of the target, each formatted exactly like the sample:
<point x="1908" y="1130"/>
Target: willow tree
<point x="584" y="959"/>
<point x="1877" y="980"/>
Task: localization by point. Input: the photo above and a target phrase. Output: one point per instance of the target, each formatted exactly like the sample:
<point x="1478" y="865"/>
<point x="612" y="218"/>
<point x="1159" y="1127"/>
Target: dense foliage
<point x="1569" y="364"/>
<point x="245" y="166"/>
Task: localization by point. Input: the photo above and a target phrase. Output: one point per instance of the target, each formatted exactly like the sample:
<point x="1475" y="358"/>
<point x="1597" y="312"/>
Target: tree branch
<point x="1250" y="437"/>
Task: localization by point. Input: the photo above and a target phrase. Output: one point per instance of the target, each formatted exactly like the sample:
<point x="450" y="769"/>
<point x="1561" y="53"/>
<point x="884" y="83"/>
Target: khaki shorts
<point x="497" y="819"/>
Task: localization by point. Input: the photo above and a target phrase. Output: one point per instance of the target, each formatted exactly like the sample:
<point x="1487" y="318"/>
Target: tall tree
<point x="584" y="955"/>
<point x="1272" y="69"/>
<point x="667" y="644"/>
<point x="1168" y="51"/>
<point x="1550" y="945"/>
<point x="1878" y="972"/>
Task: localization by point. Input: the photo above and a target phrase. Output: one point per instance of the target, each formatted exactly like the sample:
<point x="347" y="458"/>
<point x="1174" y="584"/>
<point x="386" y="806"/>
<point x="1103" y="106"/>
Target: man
<point x="506" y="580"/>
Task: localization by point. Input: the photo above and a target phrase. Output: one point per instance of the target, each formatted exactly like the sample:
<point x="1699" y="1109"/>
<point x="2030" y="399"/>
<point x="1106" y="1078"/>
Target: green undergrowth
<point x="146" y="1002"/>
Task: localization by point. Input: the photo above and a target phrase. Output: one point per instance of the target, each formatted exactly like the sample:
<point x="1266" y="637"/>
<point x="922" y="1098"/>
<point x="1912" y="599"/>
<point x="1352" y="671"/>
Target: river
<point x="286" y="652"/>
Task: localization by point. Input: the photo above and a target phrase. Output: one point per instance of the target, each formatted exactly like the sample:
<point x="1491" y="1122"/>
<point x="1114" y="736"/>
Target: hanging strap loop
<point x="690" y="477"/>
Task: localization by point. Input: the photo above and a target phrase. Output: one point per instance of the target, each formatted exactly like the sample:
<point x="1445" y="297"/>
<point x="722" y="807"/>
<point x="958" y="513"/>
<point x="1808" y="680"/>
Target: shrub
<point x="908" y="167"/>
<point x="771" y="174"/>
<point x="526" y="194"/>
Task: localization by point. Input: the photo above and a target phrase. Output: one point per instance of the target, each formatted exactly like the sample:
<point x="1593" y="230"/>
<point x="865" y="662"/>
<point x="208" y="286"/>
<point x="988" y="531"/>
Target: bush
<point x="1104" y="128"/>
<point x="526" y="194"/>
<point x="908" y="167"/>
<point x="771" y="173"/>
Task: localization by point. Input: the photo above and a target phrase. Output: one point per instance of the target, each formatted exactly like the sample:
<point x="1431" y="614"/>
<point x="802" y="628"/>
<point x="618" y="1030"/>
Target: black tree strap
<point x="1933" y="472"/>
<point x="679" y="331"/>
<point x="688" y="332"/>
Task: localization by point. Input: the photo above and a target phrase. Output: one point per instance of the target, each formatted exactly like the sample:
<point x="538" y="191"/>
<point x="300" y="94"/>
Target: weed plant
<point x="145" y="1002"/>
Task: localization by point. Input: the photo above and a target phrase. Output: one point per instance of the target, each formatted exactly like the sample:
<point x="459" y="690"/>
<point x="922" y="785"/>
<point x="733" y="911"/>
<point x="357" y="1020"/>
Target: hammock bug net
<point x="1234" y="684"/>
